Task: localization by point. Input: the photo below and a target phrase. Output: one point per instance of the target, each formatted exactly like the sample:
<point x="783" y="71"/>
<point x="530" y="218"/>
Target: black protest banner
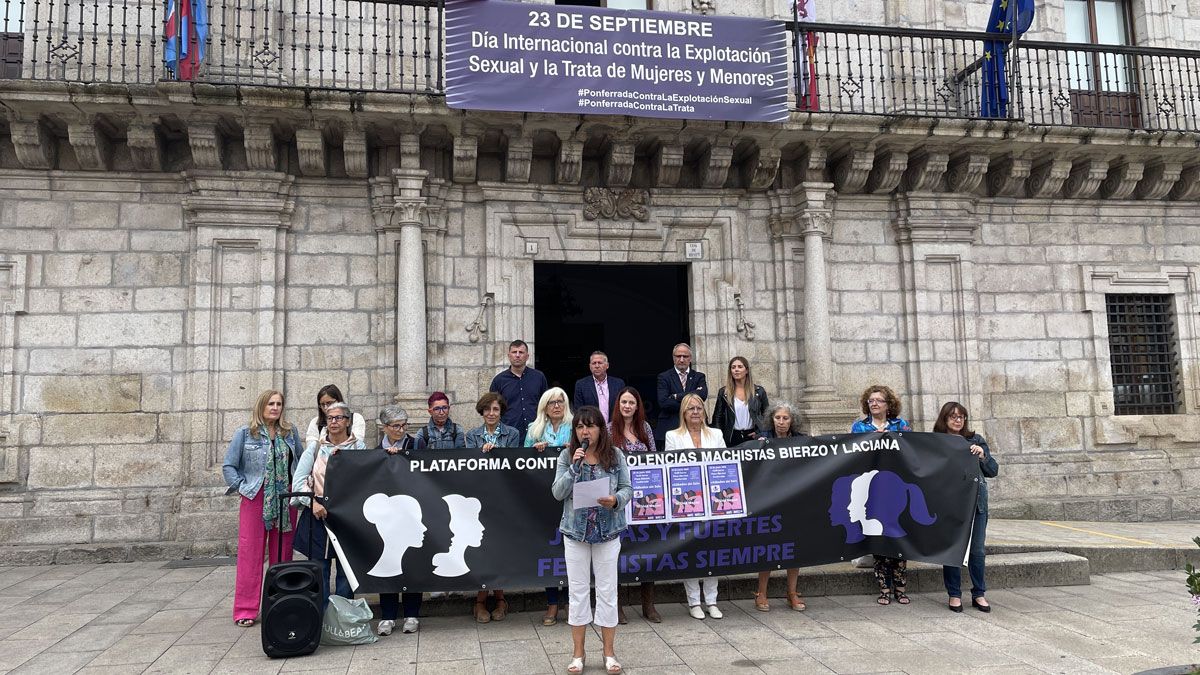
<point x="462" y="519"/>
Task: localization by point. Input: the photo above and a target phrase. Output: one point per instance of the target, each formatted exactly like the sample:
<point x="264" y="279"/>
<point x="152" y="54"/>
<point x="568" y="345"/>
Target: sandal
<point x="576" y="665"/>
<point x="501" y="611"/>
<point x="795" y="602"/>
<point x="245" y="623"/>
<point x="481" y="613"/>
<point x="612" y="665"/>
<point x="901" y="597"/>
<point x="883" y="599"/>
<point x="550" y="618"/>
<point x="761" y="603"/>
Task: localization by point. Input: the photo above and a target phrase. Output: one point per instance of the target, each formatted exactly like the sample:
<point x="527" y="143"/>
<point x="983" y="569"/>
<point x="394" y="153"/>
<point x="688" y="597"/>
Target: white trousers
<point x="582" y="561"/>
<point x="692" y="588"/>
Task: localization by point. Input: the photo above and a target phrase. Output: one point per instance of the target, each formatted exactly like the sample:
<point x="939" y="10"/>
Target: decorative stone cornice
<point x="259" y="141"/>
<point x="205" y="143"/>
<point x="765" y="168"/>
<point x="519" y="161"/>
<point x="466" y="156"/>
<point x="608" y="204"/>
<point x="1006" y="175"/>
<point x="1187" y="188"/>
<point x="925" y="171"/>
<point x="91" y="145"/>
<point x="400" y="199"/>
<point x="715" y="167"/>
<point x="145" y="147"/>
<point x="850" y="171"/>
<point x="669" y="160"/>
<point x="354" y="152"/>
<point x="310" y="148"/>
<point x="238" y="199"/>
<point x="1085" y="178"/>
<point x="1158" y="179"/>
<point x="619" y="169"/>
<point x="887" y="171"/>
<point x="570" y="161"/>
<point x="966" y="171"/>
<point x="1046" y="178"/>
<point x="935" y="217"/>
<point x="1121" y="180"/>
<point x="32" y="142"/>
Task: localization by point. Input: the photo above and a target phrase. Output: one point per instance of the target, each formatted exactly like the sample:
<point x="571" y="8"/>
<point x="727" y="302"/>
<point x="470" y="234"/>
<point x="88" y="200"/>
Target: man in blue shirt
<point x="521" y="386"/>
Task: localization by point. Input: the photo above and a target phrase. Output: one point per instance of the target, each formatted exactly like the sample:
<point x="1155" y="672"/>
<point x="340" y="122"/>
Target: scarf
<point x="276" y="480"/>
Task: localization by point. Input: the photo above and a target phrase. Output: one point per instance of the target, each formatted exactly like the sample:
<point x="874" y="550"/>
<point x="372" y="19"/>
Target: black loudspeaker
<point x="291" y="609"/>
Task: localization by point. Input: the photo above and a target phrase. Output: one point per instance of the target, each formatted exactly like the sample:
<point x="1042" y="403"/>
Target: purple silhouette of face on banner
<point x="870" y="504"/>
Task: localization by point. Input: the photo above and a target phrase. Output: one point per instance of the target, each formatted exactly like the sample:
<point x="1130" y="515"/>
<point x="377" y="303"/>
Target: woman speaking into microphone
<point x="592" y="533"/>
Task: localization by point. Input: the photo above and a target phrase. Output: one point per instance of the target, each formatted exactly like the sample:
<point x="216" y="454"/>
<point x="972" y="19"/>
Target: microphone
<point x="579" y="462"/>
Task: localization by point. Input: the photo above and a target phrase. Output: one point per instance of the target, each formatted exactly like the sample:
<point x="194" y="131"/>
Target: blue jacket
<point x="864" y="425"/>
<point x="507" y="437"/>
<point x="246" y="460"/>
<point x="611" y="522"/>
<point x="989" y="468"/>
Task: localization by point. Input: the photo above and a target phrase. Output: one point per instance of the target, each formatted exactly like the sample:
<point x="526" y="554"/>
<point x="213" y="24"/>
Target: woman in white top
<point x="694" y="433"/>
<point x="329" y="395"/>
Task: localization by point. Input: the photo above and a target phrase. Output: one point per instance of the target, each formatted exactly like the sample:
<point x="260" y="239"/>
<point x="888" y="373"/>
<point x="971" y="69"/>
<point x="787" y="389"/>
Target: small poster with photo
<point x="649" y="501"/>
<point x="687" y="492"/>
<point x="726" y="496"/>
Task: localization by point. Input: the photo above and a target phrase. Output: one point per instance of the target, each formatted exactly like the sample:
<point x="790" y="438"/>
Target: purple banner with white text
<point x="588" y="60"/>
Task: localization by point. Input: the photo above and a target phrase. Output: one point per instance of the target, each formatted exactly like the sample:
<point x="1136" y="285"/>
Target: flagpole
<point x="1014" y="94"/>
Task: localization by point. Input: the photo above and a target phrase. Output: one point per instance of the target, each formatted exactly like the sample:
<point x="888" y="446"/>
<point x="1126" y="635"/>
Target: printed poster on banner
<point x="698" y="491"/>
<point x="687" y="492"/>
<point x="526" y="57"/>
<point x="649" y="503"/>
<point x="726" y="498"/>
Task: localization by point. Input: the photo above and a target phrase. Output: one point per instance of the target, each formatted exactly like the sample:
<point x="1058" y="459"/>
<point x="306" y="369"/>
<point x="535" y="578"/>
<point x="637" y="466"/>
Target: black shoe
<point x="983" y="608"/>
<point x="957" y="609"/>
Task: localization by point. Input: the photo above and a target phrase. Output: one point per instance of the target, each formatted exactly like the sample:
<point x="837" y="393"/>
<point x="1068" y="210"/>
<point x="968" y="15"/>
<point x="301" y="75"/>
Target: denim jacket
<point x="246" y="460"/>
<point x="611" y="522"/>
<point x="989" y="468"/>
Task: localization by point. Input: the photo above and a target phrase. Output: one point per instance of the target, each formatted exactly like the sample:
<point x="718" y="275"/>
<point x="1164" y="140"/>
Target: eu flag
<point x="993" y="98"/>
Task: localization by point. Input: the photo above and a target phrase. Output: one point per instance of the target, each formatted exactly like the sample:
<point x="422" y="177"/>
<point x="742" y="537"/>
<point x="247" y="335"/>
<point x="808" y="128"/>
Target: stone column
<point x="820" y="408"/>
<point x="411" y="336"/>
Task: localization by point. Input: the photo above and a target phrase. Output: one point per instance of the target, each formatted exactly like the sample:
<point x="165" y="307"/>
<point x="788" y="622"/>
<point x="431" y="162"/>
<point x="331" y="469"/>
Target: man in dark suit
<point x="599" y="389"/>
<point x="673" y="385"/>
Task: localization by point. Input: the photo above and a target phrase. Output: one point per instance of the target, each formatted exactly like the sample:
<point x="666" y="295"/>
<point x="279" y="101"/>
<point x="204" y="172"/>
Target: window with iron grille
<point x="1145" y="353"/>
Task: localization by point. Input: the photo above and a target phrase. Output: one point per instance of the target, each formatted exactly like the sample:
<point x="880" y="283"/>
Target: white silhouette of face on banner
<point x="398" y="519"/>
<point x="467" y="530"/>
<point x="859" y="491"/>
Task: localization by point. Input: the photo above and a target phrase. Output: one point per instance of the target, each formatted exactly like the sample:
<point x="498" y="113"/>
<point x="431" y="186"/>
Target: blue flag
<point x="993" y="97"/>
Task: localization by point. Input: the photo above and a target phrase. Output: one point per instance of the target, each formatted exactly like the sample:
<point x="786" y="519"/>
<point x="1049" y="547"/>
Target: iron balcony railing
<point x="397" y="46"/>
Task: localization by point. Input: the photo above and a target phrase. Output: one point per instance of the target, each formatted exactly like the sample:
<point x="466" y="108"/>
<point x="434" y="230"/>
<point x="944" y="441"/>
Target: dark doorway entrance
<point x="633" y="313"/>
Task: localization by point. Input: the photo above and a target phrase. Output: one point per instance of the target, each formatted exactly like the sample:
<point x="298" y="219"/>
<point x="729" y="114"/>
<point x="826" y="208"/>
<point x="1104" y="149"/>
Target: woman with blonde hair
<point x="550" y="428"/>
<point x="694" y="433"/>
<point x="256" y="466"/>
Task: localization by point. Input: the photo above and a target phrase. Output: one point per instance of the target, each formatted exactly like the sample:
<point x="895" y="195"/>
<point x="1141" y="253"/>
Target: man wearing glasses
<point x="521" y="386"/>
<point x="673" y="385"/>
<point x="441" y="433"/>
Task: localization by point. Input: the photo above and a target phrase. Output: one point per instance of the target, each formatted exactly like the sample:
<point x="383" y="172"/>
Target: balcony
<point x="396" y="46"/>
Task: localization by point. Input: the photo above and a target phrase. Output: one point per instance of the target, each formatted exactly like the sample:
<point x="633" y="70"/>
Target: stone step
<point x="1004" y="570"/>
<point x="1107" y="559"/>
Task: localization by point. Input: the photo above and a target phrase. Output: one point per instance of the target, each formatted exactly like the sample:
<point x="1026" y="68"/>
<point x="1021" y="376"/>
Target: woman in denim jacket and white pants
<point x="592" y="535"/>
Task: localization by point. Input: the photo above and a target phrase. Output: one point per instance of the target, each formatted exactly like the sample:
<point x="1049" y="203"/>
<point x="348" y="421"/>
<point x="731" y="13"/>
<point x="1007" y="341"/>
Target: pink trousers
<point x="253" y="537"/>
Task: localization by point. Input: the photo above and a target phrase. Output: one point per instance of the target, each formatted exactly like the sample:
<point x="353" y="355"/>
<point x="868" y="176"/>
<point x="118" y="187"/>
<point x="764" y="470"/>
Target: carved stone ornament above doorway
<point x="605" y="204"/>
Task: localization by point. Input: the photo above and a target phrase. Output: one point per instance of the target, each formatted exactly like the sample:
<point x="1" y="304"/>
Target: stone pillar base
<point x="825" y="415"/>
<point x="417" y="407"/>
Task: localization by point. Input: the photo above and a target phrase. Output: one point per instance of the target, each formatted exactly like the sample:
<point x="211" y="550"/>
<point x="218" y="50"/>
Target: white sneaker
<point x="696" y="612"/>
<point x="385" y="627"/>
<point x="412" y="624"/>
<point x="715" y="612"/>
<point x="865" y="561"/>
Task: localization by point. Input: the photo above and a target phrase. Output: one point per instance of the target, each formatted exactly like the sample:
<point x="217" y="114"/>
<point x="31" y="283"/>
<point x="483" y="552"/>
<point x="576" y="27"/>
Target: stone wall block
<point x="59" y="467"/>
<point x="148" y="269"/>
<point x="74" y="503"/>
<point x="45" y="331"/>
<point x="107" y="330"/>
<point x="46" y="531"/>
<point x="204" y="527"/>
<point x="127" y="528"/>
<point x="103" y="428"/>
<point x="86" y="269"/>
<point x="73" y="394"/>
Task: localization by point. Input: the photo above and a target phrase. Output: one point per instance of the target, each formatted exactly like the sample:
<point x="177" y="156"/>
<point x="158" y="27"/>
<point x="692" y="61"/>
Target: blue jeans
<point x="952" y="576"/>
<point x="389" y="606"/>
<point x="341" y="584"/>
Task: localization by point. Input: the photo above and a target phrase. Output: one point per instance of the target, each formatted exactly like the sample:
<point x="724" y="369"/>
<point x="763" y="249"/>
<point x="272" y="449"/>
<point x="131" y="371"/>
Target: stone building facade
<point x="170" y="249"/>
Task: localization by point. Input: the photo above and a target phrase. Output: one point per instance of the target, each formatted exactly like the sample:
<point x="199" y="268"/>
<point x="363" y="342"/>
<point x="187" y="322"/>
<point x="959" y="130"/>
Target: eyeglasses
<point x="556" y="402"/>
<point x="876" y="400"/>
<point x="956" y="416"/>
<point x="336" y="418"/>
<point x="440" y="408"/>
<point x="397" y="426"/>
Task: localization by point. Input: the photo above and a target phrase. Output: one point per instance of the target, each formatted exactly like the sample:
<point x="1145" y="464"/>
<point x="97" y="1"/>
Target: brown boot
<point x="648" y="610"/>
<point x="621" y="599"/>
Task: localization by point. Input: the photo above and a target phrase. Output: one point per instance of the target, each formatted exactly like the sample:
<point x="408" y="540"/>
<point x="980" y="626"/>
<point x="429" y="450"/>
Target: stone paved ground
<point x="147" y="617"/>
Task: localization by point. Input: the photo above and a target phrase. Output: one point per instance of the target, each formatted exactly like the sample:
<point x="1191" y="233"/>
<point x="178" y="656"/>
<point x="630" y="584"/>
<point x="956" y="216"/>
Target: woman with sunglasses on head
<point x="881" y="408"/>
<point x="694" y="433"/>
<point x="550" y="428"/>
<point x="631" y="433"/>
<point x="952" y="419"/>
<point x="592" y="534"/>
<point x="256" y="467"/>
<point x="394" y="421"/>
<point x="327" y="396"/>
